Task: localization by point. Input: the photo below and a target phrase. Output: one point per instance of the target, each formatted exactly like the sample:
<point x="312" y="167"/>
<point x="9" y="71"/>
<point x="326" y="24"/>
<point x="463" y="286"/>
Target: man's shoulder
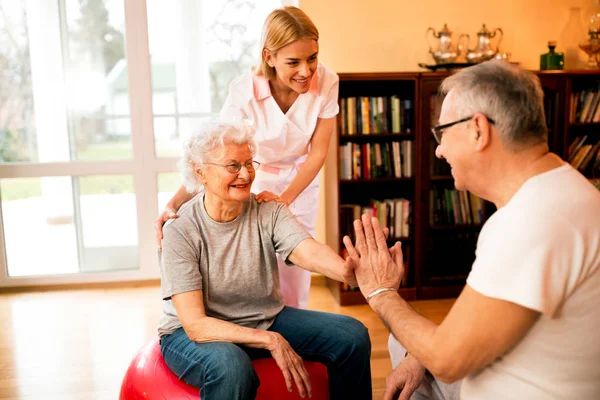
<point x="561" y="195"/>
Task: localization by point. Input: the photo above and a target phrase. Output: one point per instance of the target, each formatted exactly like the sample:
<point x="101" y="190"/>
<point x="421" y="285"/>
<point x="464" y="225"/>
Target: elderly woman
<point x="222" y="304"/>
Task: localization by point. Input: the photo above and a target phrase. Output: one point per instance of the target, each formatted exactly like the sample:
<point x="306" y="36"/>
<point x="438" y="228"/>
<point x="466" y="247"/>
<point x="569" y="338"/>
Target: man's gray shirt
<point x="233" y="263"/>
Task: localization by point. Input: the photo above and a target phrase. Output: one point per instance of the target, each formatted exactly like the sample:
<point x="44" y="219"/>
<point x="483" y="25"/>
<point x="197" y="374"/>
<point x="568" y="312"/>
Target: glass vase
<point x="572" y="35"/>
<point x="591" y="47"/>
<point x="591" y="17"/>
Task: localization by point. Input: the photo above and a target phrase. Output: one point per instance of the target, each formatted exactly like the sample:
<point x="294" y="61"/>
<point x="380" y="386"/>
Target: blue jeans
<point x="224" y="370"/>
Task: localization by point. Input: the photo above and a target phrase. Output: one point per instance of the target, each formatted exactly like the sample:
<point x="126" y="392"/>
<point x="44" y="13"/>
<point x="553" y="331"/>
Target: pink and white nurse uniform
<point x="284" y="142"/>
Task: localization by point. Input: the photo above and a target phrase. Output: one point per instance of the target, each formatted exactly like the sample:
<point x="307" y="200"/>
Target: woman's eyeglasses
<point x="235" y="167"/>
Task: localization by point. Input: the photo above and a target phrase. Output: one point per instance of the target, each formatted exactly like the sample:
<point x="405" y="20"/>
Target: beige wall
<point x="389" y="35"/>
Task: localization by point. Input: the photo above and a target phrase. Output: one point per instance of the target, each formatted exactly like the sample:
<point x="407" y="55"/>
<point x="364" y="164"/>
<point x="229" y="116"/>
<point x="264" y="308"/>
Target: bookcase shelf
<point x="455" y="227"/>
<point x="375" y="136"/>
<point x="376" y="180"/>
<point x="591" y="125"/>
<point x="438" y="254"/>
<point x="579" y="141"/>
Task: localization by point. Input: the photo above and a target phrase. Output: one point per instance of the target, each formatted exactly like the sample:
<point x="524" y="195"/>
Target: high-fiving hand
<point x="374" y="264"/>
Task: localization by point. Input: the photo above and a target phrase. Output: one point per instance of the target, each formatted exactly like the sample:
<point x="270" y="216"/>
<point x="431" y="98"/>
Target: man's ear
<point x="482" y="131"/>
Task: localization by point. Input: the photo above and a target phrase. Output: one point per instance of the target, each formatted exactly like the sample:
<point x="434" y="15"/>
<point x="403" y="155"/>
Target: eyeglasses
<point x="235" y="167"/>
<point x="438" y="130"/>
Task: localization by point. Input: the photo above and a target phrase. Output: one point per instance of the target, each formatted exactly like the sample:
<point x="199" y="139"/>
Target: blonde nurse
<point x="292" y="100"/>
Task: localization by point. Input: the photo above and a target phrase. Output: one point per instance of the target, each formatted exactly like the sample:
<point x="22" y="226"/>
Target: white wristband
<point x="377" y="291"/>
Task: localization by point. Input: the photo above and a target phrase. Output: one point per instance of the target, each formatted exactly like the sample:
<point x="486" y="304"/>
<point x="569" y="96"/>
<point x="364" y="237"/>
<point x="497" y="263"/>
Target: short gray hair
<point x="203" y="147"/>
<point x="511" y="96"/>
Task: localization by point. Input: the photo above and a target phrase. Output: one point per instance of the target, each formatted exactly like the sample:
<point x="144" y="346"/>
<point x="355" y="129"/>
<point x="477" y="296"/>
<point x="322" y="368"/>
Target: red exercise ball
<point x="149" y="378"/>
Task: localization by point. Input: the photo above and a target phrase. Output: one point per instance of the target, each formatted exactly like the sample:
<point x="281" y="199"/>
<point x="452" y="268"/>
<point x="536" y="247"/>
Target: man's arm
<point x="477" y="330"/>
<point x="404" y="380"/>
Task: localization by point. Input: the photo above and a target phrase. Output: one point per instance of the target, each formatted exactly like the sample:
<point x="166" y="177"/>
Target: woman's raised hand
<point x="290" y="364"/>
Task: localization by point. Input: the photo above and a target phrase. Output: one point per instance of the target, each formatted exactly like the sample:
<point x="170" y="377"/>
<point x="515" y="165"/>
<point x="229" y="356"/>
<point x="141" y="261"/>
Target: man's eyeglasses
<point x="438" y="130"/>
<point x="235" y="167"/>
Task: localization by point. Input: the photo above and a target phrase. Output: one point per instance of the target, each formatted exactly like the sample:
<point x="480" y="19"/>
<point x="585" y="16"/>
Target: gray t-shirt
<point x="233" y="263"/>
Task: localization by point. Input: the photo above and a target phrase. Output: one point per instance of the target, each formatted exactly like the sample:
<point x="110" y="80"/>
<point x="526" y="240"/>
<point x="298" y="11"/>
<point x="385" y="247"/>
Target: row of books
<point x="376" y="160"/>
<point x="371" y="115"/>
<point x="403" y="283"/>
<point x="584" y="155"/>
<point x="393" y="213"/>
<point x="585" y="106"/>
<point x="450" y="207"/>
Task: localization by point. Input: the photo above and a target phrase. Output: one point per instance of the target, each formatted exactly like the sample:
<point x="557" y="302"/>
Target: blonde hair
<point x="282" y="27"/>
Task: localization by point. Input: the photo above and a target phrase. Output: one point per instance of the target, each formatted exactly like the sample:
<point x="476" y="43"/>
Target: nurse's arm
<point x="180" y="197"/>
<point x="170" y="211"/>
<point x="319" y="144"/>
<point x="317" y="257"/>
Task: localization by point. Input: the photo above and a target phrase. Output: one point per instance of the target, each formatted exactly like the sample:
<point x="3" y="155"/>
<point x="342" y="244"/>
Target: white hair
<point x="204" y="146"/>
<point x="511" y="96"/>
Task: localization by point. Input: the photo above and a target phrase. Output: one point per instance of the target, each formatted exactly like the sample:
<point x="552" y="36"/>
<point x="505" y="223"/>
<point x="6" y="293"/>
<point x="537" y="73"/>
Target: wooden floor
<point x="77" y="344"/>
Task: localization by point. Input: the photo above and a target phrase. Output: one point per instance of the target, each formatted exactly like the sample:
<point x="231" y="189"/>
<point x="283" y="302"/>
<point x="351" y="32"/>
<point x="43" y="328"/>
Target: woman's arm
<point x="202" y="329"/>
<point x="317" y="257"/>
<point x="319" y="143"/>
<point x="170" y="211"/>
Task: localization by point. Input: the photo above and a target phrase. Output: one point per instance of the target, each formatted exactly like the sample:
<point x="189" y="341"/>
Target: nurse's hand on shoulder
<point x="266" y="196"/>
<point x="290" y="364"/>
<point x="167" y="214"/>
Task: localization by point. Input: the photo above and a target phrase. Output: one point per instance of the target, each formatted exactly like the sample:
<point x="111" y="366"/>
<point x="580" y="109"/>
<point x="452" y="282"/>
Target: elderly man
<point x="526" y="324"/>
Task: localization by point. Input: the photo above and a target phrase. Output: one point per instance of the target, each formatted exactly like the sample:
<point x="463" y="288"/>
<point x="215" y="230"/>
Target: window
<point x="78" y="165"/>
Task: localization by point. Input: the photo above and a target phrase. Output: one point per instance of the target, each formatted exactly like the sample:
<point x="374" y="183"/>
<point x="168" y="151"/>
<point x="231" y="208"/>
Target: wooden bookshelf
<point x="367" y="103"/>
<point x="440" y="253"/>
